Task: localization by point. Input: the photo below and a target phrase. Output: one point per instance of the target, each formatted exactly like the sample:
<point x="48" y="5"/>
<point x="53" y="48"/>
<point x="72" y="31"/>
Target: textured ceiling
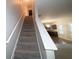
<point x="54" y="8"/>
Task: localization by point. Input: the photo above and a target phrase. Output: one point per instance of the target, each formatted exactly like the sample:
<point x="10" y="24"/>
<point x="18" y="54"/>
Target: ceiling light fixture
<point x="48" y="25"/>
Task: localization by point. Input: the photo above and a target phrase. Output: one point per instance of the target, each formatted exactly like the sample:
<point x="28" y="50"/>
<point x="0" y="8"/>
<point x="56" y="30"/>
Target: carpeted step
<point x="27" y="55"/>
<point x="27" y="46"/>
<point x="27" y="30"/>
<point x="28" y="34"/>
<point x="27" y="39"/>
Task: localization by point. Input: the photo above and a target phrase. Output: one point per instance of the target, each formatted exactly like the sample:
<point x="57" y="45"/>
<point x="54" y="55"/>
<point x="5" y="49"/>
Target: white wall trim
<point x="13" y="30"/>
<point x="16" y="40"/>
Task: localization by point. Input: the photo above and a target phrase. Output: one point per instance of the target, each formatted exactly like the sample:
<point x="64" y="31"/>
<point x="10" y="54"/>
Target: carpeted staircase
<point x="27" y="46"/>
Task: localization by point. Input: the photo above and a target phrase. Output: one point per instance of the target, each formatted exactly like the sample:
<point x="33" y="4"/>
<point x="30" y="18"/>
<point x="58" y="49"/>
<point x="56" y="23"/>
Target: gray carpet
<point x="64" y="48"/>
<point x="64" y="51"/>
<point x="27" y="47"/>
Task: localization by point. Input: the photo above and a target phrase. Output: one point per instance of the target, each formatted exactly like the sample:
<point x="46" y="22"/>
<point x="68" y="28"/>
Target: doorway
<point x="30" y="12"/>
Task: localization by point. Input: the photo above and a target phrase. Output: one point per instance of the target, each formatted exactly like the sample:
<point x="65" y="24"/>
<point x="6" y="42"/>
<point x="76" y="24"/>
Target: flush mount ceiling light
<point x="48" y="25"/>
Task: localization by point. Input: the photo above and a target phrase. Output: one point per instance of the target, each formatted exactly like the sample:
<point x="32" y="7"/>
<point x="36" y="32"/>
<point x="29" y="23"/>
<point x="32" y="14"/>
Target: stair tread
<point x="28" y="55"/>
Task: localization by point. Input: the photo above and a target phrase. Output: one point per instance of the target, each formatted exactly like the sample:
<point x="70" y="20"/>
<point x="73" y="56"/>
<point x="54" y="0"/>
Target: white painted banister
<point x="47" y="41"/>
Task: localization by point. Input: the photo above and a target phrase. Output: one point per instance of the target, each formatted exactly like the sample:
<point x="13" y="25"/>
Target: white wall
<point x="14" y="21"/>
<point x="12" y="17"/>
<point x="66" y="29"/>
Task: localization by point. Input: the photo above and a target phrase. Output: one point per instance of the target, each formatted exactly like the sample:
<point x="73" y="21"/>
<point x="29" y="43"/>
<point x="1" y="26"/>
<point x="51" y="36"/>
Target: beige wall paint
<point x="24" y="5"/>
<point x="64" y="21"/>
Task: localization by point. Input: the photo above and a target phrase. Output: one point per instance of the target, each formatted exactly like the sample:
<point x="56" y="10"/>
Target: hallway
<point x="27" y="46"/>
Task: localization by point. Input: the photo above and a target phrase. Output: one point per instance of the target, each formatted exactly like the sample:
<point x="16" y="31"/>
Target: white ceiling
<point x="54" y="8"/>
